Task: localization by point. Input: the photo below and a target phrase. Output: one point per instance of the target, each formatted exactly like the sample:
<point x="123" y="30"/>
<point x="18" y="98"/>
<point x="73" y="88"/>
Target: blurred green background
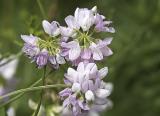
<point x="134" y="68"/>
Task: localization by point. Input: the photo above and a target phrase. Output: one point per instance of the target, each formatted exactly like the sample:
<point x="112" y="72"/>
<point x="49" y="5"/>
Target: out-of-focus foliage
<point x="134" y="68"/>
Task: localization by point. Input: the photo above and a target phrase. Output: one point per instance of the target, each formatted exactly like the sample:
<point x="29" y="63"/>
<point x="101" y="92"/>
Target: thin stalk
<point x="21" y="94"/>
<point x="41" y="96"/>
<point x="32" y="89"/>
<point x="41" y="8"/>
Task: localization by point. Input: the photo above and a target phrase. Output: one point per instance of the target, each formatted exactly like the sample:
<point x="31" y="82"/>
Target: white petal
<point x="55" y="30"/>
<point x="97" y="54"/>
<point x="102" y="93"/>
<point x="30" y="39"/>
<point x="108" y="86"/>
<point x="81" y="77"/>
<point x="91" y="67"/>
<point x="84" y="18"/>
<point x="66" y="31"/>
<point x="80" y="67"/>
<point x="71" y="44"/>
<point x="103" y="72"/>
<point x="110" y="29"/>
<point x="72" y="74"/>
<point x="74" y="52"/>
<point x="89" y="95"/>
<point x="76" y="87"/>
<point x="106" y="51"/>
<point x="94" y="9"/>
<point x="60" y="59"/>
<point x="71" y="22"/>
<point x="76" y="14"/>
<point x="47" y="27"/>
<point x="108" y="40"/>
<point x="52" y="60"/>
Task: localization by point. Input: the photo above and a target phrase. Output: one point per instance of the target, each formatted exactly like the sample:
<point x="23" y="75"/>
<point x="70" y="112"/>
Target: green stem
<point x="41" y="8"/>
<point x="41" y="96"/>
<point x="20" y="95"/>
<point x="32" y="89"/>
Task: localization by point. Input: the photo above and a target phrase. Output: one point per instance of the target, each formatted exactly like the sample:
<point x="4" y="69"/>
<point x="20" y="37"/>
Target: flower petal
<point x="103" y="72"/>
<point x="86" y="54"/>
<point x="71" y="22"/>
<point x="80" y="67"/>
<point x="106" y="51"/>
<point x="47" y="27"/>
<point x="76" y="87"/>
<point x="102" y="93"/>
<point x="30" y="39"/>
<point x="89" y="95"/>
<point x="66" y="31"/>
<point x="74" y="52"/>
<point x="60" y="59"/>
<point x="97" y="54"/>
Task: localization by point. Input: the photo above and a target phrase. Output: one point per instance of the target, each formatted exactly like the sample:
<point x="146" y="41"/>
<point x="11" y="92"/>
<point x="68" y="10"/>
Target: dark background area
<point x="134" y="68"/>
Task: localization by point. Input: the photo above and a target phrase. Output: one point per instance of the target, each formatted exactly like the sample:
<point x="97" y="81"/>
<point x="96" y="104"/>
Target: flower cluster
<point x="81" y="45"/>
<point x="43" y="51"/>
<point x="77" y="43"/>
<point x="87" y="88"/>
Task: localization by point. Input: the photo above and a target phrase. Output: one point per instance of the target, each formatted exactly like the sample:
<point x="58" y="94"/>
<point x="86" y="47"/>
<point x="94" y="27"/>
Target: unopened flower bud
<point x="89" y="95"/>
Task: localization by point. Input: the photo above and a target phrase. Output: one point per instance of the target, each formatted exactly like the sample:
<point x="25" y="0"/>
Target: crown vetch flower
<point x="44" y="51"/>
<point x="87" y="88"/>
<point x="82" y="45"/>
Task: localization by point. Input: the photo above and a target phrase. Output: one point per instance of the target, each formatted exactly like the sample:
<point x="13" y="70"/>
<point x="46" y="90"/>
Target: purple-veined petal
<point x="106" y="51"/>
<point x="66" y="31"/>
<point x="60" y="59"/>
<point x="30" y="39"/>
<point x="52" y="60"/>
<point x="97" y="54"/>
<point x="46" y="26"/>
<point x="86" y="54"/>
<point x="71" y="22"/>
<point x="103" y="72"/>
<point x="91" y="85"/>
<point x="102" y="93"/>
<point x="74" y="52"/>
<point x="65" y="92"/>
<point x="81" y="67"/>
<point x="85" y="86"/>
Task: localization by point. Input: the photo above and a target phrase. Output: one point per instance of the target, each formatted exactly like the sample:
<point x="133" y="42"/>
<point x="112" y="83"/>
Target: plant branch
<point x="41" y="96"/>
<point x="21" y="94"/>
<point x="32" y="89"/>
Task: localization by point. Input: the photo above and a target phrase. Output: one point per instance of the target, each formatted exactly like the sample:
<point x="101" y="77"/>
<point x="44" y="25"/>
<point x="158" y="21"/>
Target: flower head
<point x="44" y="51"/>
<point x="87" y="87"/>
<point x="82" y="45"/>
